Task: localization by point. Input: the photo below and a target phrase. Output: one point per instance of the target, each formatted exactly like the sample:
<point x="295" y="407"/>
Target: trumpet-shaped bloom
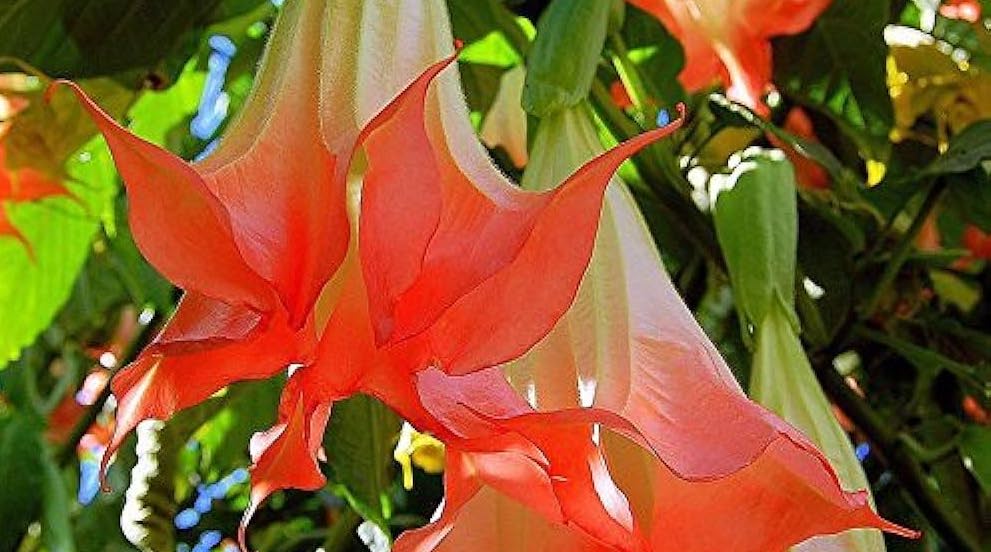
<point x="629" y="346"/>
<point x="728" y="41"/>
<point x="260" y="238"/>
<point x="412" y="271"/>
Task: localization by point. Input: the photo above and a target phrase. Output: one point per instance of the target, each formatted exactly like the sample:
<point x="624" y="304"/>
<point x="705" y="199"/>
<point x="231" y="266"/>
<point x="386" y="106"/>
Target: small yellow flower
<point x="419" y="449"/>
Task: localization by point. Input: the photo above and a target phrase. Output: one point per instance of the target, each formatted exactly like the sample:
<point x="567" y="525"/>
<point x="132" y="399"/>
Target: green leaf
<point x="975" y="448"/>
<point x="475" y="20"/>
<point x="756" y="217"/>
<point x="86" y="38"/>
<point x="223" y="439"/>
<point x="968" y="196"/>
<point x="56" y="531"/>
<point x="359" y="443"/>
<point x="926" y="360"/>
<point x="481" y="83"/>
<point x="157" y="113"/>
<point x="838" y="67"/>
<point x="60" y="231"/>
<point x="825" y="255"/>
<point x="561" y="65"/>
<point x="966" y="151"/>
<point x="20" y="457"/>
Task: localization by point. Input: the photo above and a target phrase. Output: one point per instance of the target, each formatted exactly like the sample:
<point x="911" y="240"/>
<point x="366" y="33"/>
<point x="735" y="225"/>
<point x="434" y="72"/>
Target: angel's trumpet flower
<point x="382" y="297"/>
<point x="729" y="41"/>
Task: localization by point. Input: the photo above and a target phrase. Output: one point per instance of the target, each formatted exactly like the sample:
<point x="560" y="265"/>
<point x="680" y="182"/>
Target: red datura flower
<point x="260" y="238"/>
<point x="965" y="10"/>
<point x="629" y="348"/>
<point x="728" y="41"/>
<point x="413" y="271"/>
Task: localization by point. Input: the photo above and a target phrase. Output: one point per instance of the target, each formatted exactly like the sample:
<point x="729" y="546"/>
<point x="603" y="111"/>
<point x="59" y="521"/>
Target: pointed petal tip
<point x="664" y="118"/>
<point x="59" y="83"/>
<point x="104" y="466"/>
<point x="52" y="87"/>
<point x="256" y="497"/>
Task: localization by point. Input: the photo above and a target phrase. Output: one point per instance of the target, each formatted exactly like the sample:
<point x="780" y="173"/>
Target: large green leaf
<point x="838" y="66"/>
<point x="223" y="440"/>
<point x="85" y="38"/>
<point x="658" y="55"/>
<point x="359" y="442"/>
<point x="20" y="478"/>
<point x="968" y="196"/>
<point x="60" y="231"/>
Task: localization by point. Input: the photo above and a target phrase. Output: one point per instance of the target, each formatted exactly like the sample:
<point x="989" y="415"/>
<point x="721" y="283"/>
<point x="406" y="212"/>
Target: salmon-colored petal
<point x="436" y="250"/>
<point x="206" y="346"/>
<point x="275" y="173"/>
<point x="460" y="486"/>
<point x="728" y="42"/>
<point x="492" y="521"/>
<point x="788" y="495"/>
<point x="286" y="456"/>
<point x="178" y="223"/>
<point x="547" y="461"/>
<point x="629" y="346"/>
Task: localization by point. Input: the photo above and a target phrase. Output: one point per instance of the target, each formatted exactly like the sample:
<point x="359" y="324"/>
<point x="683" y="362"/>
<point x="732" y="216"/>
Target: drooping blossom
<point x="966" y="10"/>
<point x="412" y="273"/>
<point x="259" y="237"/>
<point x="629" y="345"/>
<point x="727" y="42"/>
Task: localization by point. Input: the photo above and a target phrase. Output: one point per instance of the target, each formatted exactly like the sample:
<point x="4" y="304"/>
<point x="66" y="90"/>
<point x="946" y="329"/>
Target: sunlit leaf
<point x="359" y="443"/>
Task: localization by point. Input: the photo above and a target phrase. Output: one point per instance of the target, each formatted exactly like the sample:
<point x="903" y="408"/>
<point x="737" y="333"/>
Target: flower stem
<point x="902" y="250"/>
